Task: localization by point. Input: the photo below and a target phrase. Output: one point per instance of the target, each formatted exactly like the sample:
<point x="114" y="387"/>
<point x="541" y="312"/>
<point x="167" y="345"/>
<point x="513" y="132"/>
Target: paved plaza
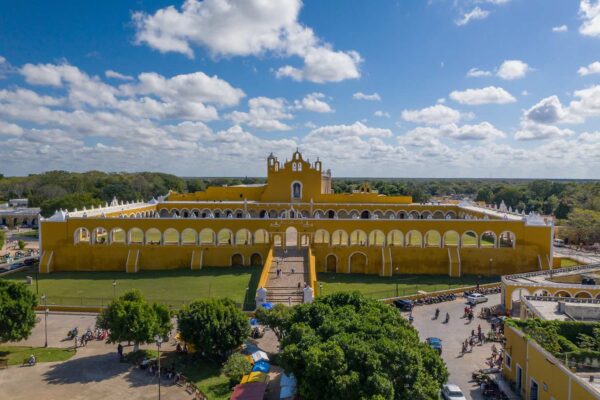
<point x="453" y="334"/>
<point x="93" y="373"/>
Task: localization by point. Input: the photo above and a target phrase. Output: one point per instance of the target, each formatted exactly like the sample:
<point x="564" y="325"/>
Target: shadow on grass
<point x="205" y="374"/>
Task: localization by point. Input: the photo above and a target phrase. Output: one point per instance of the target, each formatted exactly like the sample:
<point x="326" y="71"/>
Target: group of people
<point x="167" y="372"/>
<point x="475" y="338"/>
<point x="279" y="271"/>
<point x="469" y="313"/>
<point x="496" y="358"/>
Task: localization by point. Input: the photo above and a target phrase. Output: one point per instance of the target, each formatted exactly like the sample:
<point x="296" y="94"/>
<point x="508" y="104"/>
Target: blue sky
<point x="438" y="88"/>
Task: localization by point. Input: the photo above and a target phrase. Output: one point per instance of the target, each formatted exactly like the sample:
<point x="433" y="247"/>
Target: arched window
<point x="469" y="239"/>
<point x="376" y="238"/>
<point x="365" y="214"/>
<point x="243" y="237"/>
<point x="99" y="236"/>
<point x="82" y="235"/>
<point x="189" y="236"/>
<point x="488" y="239"/>
<point x="414" y="239"/>
<point x="117" y="236"/>
<point x="507" y="239"/>
<point x="207" y="236"/>
<point x="294" y="167"/>
<point x="135" y="236"/>
<point x="171" y="236"/>
<point x="299" y="166"/>
<point x="261" y="236"/>
<point x="225" y="237"/>
<point x="321" y="236"/>
<point x="153" y="236"/>
<point x="395" y="238"/>
<point x="339" y="238"/>
<point x="433" y="239"/>
<point x="358" y="238"/>
<point x="296" y="190"/>
<point x="451" y="239"/>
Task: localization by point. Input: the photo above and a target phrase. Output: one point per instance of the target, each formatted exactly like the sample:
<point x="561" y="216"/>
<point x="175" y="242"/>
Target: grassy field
<point x="16" y="354"/>
<point x="567" y="262"/>
<point x="174" y="287"/>
<point x="384" y="287"/>
<point x="205" y="374"/>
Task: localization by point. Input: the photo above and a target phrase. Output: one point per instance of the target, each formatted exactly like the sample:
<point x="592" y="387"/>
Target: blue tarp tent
<point x="261" y="366"/>
<point x="267" y="306"/>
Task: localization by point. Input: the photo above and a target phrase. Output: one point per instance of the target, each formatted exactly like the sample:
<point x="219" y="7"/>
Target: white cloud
<point x="587" y="105"/>
<point x="475" y="14"/>
<point x="8" y="129"/>
<point x="589" y="11"/>
<point x="434" y="115"/>
<point x="355" y="130"/>
<point x="482" y="131"/>
<point x="116" y="75"/>
<point x="477" y="73"/>
<point x="369" y="97"/>
<point x="546" y="111"/>
<point x="263" y="113"/>
<point x="487" y="95"/>
<point x="560" y="28"/>
<point x="244" y="28"/>
<point x="380" y="113"/>
<point x="313" y="102"/>
<point x="535" y="131"/>
<point x="593" y="68"/>
<point x="513" y="69"/>
<point x="28" y="97"/>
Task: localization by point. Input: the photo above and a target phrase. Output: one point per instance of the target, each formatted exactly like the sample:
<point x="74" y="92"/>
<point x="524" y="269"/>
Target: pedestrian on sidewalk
<point x="290" y="301"/>
<point x="293" y="270"/>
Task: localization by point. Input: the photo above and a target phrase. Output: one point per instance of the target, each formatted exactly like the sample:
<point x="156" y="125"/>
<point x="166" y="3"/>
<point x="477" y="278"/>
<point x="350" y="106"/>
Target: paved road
<point x="452" y="335"/>
<point x="93" y="373"/>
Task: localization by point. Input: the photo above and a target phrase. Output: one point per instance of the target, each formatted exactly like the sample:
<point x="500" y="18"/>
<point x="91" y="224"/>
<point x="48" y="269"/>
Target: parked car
<point x="435" y="343"/>
<point x="16" y="265"/>
<point x="452" y="392"/>
<point x="476" y="298"/>
<point x="404" y="305"/>
<point x="30" y="261"/>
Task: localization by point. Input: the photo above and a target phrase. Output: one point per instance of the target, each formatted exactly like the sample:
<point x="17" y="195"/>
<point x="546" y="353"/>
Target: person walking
<point x="290" y="301"/>
<point x="120" y="351"/>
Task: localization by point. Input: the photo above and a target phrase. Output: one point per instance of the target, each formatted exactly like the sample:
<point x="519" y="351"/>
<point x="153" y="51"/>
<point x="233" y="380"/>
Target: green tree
<point x="484" y="194"/>
<point x="236" y="366"/>
<point x="17" y="317"/>
<point x="21" y="244"/>
<point x="214" y="326"/>
<point x="584" y="225"/>
<point x="346" y="346"/>
<point x="276" y="318"/>
<point x="2" y="238"/>
<point x="131" y="318"/>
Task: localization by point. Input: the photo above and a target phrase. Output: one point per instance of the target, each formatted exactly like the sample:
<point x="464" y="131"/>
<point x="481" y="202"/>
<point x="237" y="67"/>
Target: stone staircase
<point x="284" y="289"/>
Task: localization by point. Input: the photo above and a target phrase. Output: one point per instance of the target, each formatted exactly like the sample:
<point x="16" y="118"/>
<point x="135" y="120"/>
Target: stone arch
<point x="99" y="236"/>
<point x="562" y="293"/>
<point x="402" y="215"/>
<point x="171" y="236"/>
<point x="395" y="238"/>
<point x="469" y="239"/>
<point x="507" y="239"/>
<point x="185" y="213"/>
<point x="487" y="239"/>
<point x="343" y="214"/>
<point x="321" y="237"/>
<point x="243" y="237"/>
<point x="273" y="214"/>
<point x="296" y="190"/>
<point x="225" y="237"/>
<point x="207" y="236"/>
<point x="583" y="295"/>
<point x="291" y="237"/>
<point x="389" y="214"/>
<point x="263" y="214"/>
<point x="433" y="239"/>
<point x="217" y="213"/>
<point x="238" y="213"/>
<point x="135" y="236"/>
<point x="117" y="236"/>
<point x="376" y="238"/>
<point x="426" y="214"/>
<point x="195" y="213"/>
<point x="437" y="214"/>
<point x="206" y="213"/>
<point x="304" y="214"/>
<point x="256" y="260"/>
<point x="517" y="292"/>
<point x="377" y="214"/>
<point x="318" y="214"/>
<point x="164" y="213"/>
<point x="339" y="238"/>
<point x="227" y="213"/>
<point x="414" y="214"/>
<point x="451" y="239"/>
<point x="237" y="260"/>
<point x="331" y="214"/>
<point x="81" y="235"/>
<point x="189" y="236"/>
<point x="153" y="236"/>
<point x="540" y="292"/>
<point x="277" y="241"/>
<point x="252" y="214"/>
<point x="354" y="214"/>
<point x="331" y="262"/>
<point x="358" y="238"/>
<point x="261" y="236"/>
<point x="357" y="263"/>
<point x="414" y="238"/>
<point x="174" y="213"/>
<point x="365" y="214"/>
<point x="450" y="215"/>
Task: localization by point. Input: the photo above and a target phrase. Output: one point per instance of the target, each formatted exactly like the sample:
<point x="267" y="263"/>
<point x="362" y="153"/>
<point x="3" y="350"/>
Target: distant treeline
<point x="68" y="190"/>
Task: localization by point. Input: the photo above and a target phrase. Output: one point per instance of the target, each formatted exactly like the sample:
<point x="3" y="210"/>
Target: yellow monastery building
<point x="362" y="232"/>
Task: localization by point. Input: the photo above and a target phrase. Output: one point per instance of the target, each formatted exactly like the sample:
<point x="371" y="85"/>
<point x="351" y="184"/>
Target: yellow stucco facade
<point x="533" y="369"/>
<point x="362" y="232"/>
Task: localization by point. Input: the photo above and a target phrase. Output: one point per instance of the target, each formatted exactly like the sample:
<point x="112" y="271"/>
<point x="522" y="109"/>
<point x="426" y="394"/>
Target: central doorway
<point x="291" y="237"/>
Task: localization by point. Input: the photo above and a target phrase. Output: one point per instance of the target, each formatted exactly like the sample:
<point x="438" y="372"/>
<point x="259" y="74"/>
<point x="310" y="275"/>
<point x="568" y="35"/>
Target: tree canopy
<point x="131" y="318"/>
<point x="213" y="326"/>
<point x="276" y="318"/>
<point x="17" y="316"/>
<point x="584" y="226"/>
<point x="345" y="346"/>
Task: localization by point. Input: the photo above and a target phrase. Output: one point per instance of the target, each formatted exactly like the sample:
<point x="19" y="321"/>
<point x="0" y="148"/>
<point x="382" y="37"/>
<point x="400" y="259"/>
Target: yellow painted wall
<point x="553" y="378"/>
<point x="526" y="290"/>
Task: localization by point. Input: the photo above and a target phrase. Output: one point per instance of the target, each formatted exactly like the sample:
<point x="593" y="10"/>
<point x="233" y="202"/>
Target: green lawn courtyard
<point x="172" y="287"/>
<point x="384" y="287"/>
<point x="17" y="354"/>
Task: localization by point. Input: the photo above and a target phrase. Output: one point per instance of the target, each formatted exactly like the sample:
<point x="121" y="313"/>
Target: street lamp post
<point x="491" y="261"/>
<point x="37" y="278"/>
<point x="397" y="292"/>
<point x="114" y="289"/>
<point x="159" y="341"/>
<point x="45" y="320"/>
